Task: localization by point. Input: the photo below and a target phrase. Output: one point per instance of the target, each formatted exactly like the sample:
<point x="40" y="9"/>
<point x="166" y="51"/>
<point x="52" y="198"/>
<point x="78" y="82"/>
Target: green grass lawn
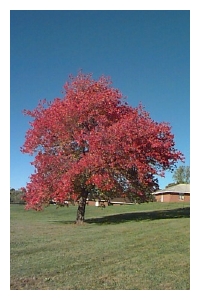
<point x="128" y="247"/>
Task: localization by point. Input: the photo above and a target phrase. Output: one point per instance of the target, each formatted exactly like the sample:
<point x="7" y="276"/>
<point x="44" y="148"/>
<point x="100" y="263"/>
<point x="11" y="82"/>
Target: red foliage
<point x="91" y="139"/>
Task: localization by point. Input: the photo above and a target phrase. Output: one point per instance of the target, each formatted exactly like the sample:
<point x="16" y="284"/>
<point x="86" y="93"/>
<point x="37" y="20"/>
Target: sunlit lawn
<point x="135" y="247"/>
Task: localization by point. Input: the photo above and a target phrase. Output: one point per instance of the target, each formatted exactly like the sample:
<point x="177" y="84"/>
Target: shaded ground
<point x="142" y="216"/>
<point x="135" y="216"/>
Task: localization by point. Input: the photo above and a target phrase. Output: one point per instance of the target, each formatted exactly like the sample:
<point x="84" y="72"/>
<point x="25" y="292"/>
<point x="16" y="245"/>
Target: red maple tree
<point x="92" y="142"/>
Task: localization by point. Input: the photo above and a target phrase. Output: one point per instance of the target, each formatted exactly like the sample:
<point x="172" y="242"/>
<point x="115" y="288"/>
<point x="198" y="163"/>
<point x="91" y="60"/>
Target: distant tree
<point x="16" y="196"/>
<point x="12" y="195"/>
<point x="182" y="175"/>
<point x="187" y="174"/>
<point x="91" y="142"/>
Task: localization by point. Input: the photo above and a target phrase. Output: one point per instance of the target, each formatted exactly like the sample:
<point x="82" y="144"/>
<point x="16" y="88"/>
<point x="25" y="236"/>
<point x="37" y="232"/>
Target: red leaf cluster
<point x="92" y="139"/>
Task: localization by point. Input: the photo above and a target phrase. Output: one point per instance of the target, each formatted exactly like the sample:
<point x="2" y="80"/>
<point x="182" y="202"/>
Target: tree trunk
<point x="81" y="207"/>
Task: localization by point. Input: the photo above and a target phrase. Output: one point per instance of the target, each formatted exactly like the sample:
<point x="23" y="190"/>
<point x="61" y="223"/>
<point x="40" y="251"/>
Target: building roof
<point x="120" y="200"/>
<point x="178" y="188"/>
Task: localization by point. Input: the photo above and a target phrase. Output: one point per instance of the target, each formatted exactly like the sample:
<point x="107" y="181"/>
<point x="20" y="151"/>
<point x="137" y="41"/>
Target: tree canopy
<point x="92" y="142"/>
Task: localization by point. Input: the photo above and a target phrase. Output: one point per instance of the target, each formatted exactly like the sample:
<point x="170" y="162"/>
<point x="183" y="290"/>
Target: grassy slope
<point x="126" y="247"/>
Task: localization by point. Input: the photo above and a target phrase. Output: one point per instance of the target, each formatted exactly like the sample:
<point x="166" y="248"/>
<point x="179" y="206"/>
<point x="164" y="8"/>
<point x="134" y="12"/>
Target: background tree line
<point x="16" y="196"/>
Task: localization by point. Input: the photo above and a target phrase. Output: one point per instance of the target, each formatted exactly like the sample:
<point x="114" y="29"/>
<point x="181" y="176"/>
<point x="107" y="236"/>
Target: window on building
<point x="181" y="196"/>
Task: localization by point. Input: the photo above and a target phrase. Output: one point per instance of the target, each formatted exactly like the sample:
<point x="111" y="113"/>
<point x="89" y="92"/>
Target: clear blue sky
<point x="146" y="54"/>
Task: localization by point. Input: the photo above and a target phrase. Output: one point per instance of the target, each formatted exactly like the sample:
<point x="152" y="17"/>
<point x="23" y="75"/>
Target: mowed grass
<point x="128" y="247"/>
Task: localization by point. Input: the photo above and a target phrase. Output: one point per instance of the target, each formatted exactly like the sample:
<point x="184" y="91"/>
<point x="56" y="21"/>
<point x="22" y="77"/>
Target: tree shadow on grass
<point x="141" y="216"/>
<point x="134" y="216"/>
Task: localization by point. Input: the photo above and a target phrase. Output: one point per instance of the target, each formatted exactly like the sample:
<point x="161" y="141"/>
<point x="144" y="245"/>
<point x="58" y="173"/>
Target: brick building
<point x="175" y="193"/>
